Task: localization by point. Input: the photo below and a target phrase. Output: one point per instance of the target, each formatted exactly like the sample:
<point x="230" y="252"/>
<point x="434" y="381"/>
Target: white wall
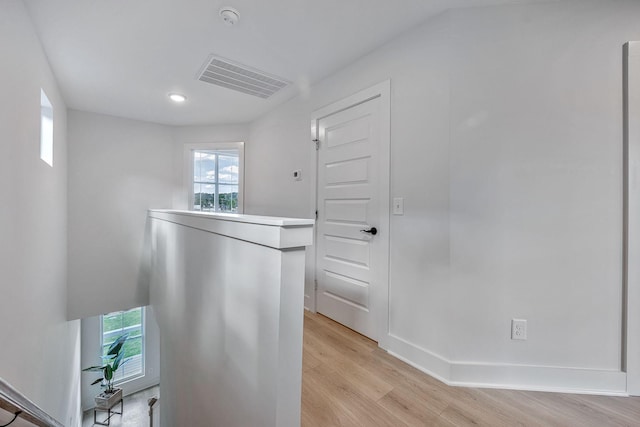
<point x="536" y="181"/>
<point x="506" y="137"/>
<point x="92" y="350"/>
<point x="40" y="350"/>
<point x="118" y="169"/>
<point x="270" y="162"/>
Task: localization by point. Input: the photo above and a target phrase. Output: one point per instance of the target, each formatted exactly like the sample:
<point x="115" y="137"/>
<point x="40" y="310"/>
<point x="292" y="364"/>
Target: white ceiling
<point x="122" y="57"/>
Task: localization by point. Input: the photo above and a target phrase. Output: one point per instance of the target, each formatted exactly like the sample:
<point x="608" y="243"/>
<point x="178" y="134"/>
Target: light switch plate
<point x="398" y="206"/>
<point x="297" y="175"/>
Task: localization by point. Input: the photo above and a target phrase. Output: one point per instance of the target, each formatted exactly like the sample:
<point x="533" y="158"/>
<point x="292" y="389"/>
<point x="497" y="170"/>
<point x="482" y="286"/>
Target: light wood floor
<point x="348" y="381"/>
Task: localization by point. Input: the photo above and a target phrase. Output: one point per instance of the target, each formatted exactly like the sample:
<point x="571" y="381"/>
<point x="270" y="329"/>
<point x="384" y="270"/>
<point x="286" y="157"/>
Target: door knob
<point x="373" y="231"/>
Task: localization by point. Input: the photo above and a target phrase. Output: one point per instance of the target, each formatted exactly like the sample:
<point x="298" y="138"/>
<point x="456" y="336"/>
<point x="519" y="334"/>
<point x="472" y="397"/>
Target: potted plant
<point x="112" y="361"/>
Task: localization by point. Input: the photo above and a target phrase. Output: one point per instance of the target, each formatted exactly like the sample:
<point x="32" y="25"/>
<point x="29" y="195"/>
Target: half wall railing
<point x="14" y="402"/>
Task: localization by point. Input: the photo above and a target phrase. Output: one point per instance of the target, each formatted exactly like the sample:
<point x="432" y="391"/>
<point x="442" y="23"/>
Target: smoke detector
<point x="230" y="16"/>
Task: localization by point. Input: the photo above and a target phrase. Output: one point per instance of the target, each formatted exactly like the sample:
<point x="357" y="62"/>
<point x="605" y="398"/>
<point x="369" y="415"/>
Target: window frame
<point x="143" y="337"/>
<point x="213" y="146"/>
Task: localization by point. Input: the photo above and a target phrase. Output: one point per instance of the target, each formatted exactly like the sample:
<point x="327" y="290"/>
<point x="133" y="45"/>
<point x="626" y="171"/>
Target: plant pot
<point x="106" y="400"/>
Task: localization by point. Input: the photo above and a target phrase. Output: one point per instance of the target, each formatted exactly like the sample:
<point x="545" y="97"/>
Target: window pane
<point x="204" y="166"/>
<point x="115" y="325"/>
<point x="46" y="129"/>
<point x="228" y="199"/>
<point x="133" y="347"/>
<point x="203" y="197"/>
<point x="229" y="167"/>
<point x="112" y="322"/>
<point x="132" y="317"/>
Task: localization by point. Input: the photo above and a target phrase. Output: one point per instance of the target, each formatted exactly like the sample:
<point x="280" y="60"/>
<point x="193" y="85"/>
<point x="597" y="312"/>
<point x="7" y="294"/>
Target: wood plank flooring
<point x="348" y="381"/>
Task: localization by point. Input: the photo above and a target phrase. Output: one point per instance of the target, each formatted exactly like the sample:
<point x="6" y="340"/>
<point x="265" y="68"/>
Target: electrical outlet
<point x="518" y="329"/>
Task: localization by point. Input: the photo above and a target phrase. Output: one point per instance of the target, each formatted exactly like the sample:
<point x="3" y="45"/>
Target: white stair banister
<point x="11" y="400"/>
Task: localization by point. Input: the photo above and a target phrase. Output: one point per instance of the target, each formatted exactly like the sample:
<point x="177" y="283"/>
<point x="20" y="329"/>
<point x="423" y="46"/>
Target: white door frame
<point x="631" y="273"/>
<point x="380" y="293"/>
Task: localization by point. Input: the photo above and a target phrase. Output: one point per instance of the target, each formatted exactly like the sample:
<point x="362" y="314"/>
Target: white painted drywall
<point x="230" y="313"/>
<point x="40" y="353"/>
<point x="118" y="169"/>
<point x="536" y="181"/>
<point x="91" y="351"/>
<point x="270" y="163"/>
<point x="507" y="148"/>
<point x="283" y="144"/>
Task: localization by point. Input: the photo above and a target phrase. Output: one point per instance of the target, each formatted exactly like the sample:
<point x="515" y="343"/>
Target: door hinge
<point x="317" y="141"/>
<point x="316" y="214"/>
<point x="315" y="285"/>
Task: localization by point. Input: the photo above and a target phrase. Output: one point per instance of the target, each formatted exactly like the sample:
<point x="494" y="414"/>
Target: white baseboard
<point x="420" y="358"/>
<point x="507" y="376"/>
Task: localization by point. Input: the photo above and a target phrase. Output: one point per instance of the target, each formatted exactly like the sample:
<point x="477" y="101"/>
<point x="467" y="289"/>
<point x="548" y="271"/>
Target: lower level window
<point x="122" y="322"/>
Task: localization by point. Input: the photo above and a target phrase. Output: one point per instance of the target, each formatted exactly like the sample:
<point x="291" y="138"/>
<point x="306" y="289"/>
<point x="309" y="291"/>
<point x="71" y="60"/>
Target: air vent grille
<point x="234" y="76"/>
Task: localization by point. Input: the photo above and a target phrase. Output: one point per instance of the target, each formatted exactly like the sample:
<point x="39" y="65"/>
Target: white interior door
<point x="352" y="226"/>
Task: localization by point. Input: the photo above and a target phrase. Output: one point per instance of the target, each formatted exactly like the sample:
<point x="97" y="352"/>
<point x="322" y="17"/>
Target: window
<point x="216" y="177"/>
<point x="121" y="322"/>
<point x="46" y="129"/>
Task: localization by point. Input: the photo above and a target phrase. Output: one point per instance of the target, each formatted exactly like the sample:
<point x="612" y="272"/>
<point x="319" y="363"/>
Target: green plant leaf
<point x="116" y="346"/>
<point x="93" y="369"/>
<point x="99" y="380"/>
<point x="116" y="362"/>
<point x="108" y="373"/>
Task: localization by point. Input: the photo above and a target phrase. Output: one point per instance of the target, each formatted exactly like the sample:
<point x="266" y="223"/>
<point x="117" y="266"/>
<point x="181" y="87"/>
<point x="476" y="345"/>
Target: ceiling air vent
<point x="234" y="76"/>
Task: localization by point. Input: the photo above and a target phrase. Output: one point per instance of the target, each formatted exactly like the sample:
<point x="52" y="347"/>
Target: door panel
<point x="348" y="132"/>
<point x="344" y="268"/>
<point x="350" y="251"/>
<point x="347" y="172"/>
<point x="348" y="203"/>
<point x="350" y="290"/>
<point x="347" y="211"/>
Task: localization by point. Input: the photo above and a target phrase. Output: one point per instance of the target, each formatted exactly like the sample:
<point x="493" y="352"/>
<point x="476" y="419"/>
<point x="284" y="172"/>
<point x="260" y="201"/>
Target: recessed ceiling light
<point x="230" y="16"/>
<point x="177" y="97"/>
